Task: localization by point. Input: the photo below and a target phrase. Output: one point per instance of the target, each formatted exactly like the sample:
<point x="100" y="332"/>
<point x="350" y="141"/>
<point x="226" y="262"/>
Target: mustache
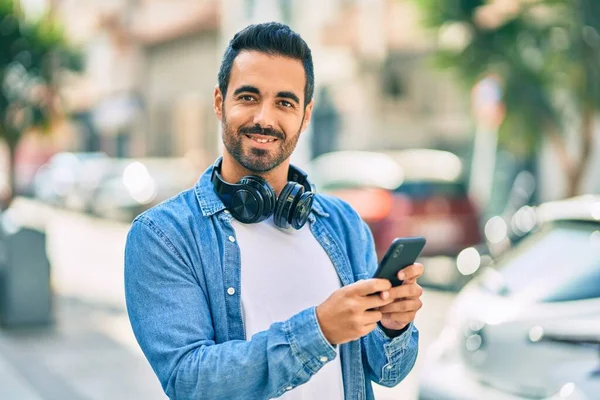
<point x="258" y="130"/>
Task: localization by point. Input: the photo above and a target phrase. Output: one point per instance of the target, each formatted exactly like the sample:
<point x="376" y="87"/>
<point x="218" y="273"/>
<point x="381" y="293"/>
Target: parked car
<point x="116" y="188"/>
<point x="134" y="185"/>
<point x="69" y="179"/>
<point x="417" y="192"/>
<point x="528" y="326"/>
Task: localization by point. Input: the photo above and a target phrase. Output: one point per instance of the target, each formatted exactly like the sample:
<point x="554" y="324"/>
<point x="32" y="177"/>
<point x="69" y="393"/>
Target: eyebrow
<point x="253" y="89"/>
<point x="288" y="95"/>
<point x="246" y="89"/>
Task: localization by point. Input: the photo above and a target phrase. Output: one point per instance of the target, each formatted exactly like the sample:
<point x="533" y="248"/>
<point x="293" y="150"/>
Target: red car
<point x="417" y="192"/>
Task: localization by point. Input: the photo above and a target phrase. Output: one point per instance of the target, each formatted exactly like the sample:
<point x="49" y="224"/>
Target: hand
<point x="351" y="312"/>
<point x="406" y="299"/>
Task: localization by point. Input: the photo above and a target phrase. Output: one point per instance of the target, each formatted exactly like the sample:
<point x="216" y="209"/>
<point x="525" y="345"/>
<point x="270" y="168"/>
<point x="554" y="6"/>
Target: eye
<point x="246" y="98"/>
<point x="286" y="104"/>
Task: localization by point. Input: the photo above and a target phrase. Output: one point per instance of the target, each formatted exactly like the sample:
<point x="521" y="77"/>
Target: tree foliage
<point x="546" y="53"/>
<point x="33" y="53"/>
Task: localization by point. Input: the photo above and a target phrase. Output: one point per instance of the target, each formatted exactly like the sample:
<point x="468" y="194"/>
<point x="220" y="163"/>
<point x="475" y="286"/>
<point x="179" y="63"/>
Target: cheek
<point x="235" y="117"/>
<point x="236" y="112"/>
<point x="291" y="124"/>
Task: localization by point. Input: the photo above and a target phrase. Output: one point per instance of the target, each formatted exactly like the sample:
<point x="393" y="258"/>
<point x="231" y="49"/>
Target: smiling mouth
<point x="261" y="139"/>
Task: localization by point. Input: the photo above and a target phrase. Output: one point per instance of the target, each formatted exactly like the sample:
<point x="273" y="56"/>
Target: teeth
<point x="263" y="140"/>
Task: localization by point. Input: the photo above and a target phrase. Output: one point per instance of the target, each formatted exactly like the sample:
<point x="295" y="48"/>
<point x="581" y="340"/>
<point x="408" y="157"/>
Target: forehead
<point x="268" y="73"/>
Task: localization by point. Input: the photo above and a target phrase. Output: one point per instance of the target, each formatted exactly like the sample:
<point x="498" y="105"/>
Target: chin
<point x="257" y="164"/>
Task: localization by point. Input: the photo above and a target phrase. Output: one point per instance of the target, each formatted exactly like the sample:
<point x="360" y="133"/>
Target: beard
<point x="257" y="160"/>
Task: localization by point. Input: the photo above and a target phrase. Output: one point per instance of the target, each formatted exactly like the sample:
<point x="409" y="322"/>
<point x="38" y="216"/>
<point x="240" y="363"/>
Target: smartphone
<point x="402" y="253"/>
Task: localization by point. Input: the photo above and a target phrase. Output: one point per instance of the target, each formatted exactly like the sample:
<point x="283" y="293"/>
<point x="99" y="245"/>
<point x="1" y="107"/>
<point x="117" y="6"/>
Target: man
<point x="231" y="293"/>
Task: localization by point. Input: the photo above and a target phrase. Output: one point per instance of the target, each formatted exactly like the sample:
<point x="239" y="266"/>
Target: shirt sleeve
<point x="173" y="324"/>
<point x="388" y="355"/>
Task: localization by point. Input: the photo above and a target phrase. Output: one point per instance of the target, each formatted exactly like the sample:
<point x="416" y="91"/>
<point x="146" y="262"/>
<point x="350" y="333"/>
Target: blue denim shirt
<point x="182" y="285"/>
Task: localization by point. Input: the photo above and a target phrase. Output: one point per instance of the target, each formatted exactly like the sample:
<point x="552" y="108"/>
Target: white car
<point x="134" y="185"/>
<point x="69" y="179"/>
<point x="529" y="326"/>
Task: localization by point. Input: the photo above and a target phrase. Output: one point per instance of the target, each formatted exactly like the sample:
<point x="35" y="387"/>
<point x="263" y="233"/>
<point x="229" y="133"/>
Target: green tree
<point x="33" y="53"/>
<point x="547" y="54"/>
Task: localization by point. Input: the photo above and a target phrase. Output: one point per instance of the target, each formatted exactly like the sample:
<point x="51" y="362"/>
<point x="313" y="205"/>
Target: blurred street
<point x="84" y="356"/>
<point x="91" y="353"/>
<point x="473" y="124"/>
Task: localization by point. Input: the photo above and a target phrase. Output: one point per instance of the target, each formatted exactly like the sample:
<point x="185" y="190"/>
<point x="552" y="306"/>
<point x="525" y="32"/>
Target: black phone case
<point x="402" y="253"/>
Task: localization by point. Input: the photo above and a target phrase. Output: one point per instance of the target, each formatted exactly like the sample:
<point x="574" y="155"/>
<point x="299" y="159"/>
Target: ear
<point x="218" y="102"/>
<point x="307" y="115"/>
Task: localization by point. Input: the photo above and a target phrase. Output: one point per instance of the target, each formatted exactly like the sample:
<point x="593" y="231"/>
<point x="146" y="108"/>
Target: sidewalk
<point x="13" y="386"/>
<point x="90" y="352"/>
<point x="87" y="354"/>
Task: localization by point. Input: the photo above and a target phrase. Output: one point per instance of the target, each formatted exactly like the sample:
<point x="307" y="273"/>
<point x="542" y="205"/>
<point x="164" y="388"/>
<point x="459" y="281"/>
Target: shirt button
<point x="324" y="359"/>
<point x="231" y="291"/>
<point x="289" y="388"/>
<point x="389" y="367"/>
<point x="231" y="239"/>
<point x="227" y="212"/>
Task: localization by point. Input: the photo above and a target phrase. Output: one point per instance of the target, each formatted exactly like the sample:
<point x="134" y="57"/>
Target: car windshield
<point x="558" y="263"/>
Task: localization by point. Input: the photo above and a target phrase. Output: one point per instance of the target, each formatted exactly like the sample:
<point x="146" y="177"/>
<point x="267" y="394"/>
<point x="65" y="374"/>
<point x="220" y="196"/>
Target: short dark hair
<point x="271" y="38"/>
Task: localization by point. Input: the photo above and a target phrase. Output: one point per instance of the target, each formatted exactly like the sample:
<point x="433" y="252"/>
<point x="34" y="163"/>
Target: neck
<point x="232" y="171"/>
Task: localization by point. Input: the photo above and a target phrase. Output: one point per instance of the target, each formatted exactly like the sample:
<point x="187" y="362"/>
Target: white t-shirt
<point x="285" y="271"/>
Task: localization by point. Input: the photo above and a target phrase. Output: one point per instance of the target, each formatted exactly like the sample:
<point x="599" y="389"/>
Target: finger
<point x="400" y="318"/>
<point x="375" y="301"/>
<point x="372" y="317"/>
<point x="369" y="286"/>
<point x="411" y="272"/>
<point x="402" y="306"/>
<point x="404" y="291"/>
<point x="386" y="296"/>
<point x="369" y="328"/>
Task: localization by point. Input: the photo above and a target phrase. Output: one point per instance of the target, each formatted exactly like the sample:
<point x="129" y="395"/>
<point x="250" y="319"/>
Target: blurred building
<point x="150" y="74"/>
<point x="373" y="57"/>
<point x="105" y="100"/>
<point x="179" y="40"/>
<point x="152" y="67"/>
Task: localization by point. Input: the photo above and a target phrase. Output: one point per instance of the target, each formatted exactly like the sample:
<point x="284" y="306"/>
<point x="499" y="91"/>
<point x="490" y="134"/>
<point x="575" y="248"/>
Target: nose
<point x="265" y="116"/>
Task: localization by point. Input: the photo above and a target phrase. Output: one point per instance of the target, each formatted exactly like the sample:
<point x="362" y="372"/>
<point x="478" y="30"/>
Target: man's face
<point x="263" y="113"/>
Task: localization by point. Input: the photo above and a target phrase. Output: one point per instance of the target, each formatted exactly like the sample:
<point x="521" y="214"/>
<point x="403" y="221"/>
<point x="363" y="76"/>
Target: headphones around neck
<point x="252" y="199"/>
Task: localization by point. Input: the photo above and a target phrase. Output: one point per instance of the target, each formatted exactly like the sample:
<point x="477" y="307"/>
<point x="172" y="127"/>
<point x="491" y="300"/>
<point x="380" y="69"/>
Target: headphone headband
<point x="295" y="174"/>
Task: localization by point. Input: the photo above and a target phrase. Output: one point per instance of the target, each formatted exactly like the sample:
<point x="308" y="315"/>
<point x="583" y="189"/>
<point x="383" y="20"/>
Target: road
<point x="86" y="254"/>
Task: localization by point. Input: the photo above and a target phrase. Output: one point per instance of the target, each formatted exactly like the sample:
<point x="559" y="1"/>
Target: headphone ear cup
<point x="285" y="204"/>
<point x="302" y="210"/>
<point x="266" y="191"/>
<point x="247" y="205"/>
